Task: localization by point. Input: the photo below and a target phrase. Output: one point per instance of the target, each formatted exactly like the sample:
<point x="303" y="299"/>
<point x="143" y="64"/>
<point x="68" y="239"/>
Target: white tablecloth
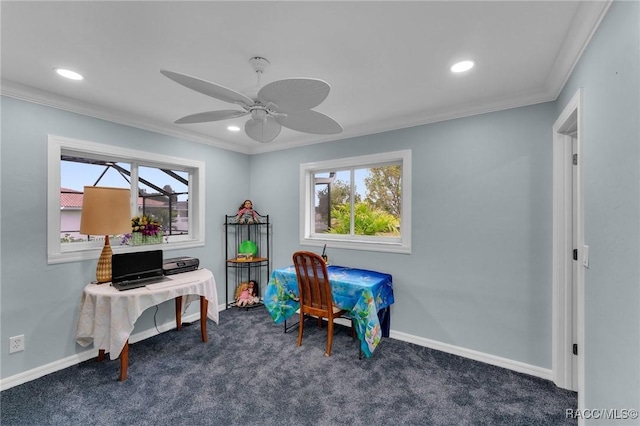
<point x="107" y="315"/>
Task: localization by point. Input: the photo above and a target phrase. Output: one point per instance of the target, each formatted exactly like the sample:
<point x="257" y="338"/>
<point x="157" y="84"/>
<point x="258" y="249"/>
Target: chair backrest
<point x="313" y="284"/>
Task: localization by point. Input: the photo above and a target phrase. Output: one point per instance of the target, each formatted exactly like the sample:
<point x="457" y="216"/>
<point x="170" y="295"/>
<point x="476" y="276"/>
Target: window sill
<point x="94" y="253"/>
<point x="357" y="245"/>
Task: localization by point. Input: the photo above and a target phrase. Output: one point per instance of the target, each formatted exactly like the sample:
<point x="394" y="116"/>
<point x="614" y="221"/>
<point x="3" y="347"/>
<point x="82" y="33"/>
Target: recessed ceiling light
<point x="72" y="75"/>
<point x="233" y="128"/>
<point x="462" y="66"/>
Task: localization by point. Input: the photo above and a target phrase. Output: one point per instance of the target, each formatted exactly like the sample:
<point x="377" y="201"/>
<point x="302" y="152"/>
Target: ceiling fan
<point x="286" y="102"/>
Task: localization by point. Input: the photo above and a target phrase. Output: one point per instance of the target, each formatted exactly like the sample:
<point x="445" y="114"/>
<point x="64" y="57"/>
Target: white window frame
<point x="308" y="237"/>
<point x="62" y="253"/>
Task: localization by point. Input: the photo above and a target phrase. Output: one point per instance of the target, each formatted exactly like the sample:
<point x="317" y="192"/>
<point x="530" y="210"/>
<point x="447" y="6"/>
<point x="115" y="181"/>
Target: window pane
<point x="379" y="212"/>
<point x="75" y="174"/>
<point x="322" y="182"/>
<point x="163" y="195"/>
<point x="340" y="203"/>
<point x="333" y="202"/>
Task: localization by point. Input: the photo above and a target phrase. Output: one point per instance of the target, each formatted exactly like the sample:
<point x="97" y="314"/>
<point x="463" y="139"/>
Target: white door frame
<point x="568" y="127"/>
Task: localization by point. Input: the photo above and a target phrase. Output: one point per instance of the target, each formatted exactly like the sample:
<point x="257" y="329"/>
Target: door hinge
<point x="575" y="159"/>
<point x="575" y="349"/>
<point x="575" y="254"/>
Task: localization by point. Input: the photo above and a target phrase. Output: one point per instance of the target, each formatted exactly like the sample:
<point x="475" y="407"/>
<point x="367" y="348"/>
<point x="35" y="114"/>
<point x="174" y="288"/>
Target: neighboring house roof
<point x="72" y="199"/>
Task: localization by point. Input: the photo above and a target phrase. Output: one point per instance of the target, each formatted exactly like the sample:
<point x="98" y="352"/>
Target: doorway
<point x="570" y="255"/>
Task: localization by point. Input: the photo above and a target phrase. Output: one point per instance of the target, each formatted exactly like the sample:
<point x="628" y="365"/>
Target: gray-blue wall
<point x="608" y="73"/>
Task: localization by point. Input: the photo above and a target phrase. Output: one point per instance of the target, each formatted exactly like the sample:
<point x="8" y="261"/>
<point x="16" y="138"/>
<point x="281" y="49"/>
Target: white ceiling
<point x="387" y="62"/>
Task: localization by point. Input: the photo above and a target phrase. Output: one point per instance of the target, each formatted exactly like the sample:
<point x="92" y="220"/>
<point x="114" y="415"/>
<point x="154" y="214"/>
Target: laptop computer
<point x="138" y="269"/>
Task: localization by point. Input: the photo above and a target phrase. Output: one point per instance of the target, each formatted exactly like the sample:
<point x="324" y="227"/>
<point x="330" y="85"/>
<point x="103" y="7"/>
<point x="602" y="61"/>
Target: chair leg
<point x="329" y="337"/>
<point x="300" y="329"/>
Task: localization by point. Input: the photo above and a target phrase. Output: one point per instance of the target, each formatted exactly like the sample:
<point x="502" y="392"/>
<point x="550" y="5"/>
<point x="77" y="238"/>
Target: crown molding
<point x="584" y="25"/>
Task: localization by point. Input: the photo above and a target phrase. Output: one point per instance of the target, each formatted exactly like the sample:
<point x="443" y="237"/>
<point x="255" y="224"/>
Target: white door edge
<point x="563" y="244"/>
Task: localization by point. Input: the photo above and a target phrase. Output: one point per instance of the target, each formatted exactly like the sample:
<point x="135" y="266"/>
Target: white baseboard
<point x="61" y="364"/>
<point x="509" y="364"/>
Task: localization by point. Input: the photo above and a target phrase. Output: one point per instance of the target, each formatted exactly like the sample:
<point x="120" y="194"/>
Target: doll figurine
<point x="243" y="297"/>
<point x="253" y="292"/>
<point x="246" y="214"/>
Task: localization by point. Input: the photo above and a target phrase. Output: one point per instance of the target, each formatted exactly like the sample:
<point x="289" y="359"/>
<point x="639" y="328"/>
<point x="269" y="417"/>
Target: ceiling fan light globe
<point x="262" y="131"/>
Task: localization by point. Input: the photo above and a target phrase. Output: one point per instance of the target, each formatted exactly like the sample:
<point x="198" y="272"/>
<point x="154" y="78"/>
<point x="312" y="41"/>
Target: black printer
<point x="177" y="265"/>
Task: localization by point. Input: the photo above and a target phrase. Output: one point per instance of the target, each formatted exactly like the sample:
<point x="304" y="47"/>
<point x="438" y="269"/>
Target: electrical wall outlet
<point x="16" y="344"/>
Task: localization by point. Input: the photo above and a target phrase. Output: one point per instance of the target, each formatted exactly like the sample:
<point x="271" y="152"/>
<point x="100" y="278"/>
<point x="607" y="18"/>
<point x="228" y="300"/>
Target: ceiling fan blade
<point x="294" y="94"/>
<point x="310" y="122"/>
<point x="262" y="130"/>
<point x="204" y="117"/>
<point x="209" y="89"/>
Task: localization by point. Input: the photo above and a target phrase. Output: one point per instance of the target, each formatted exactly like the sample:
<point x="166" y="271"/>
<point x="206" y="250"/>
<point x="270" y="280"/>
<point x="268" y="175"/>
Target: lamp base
<point x="103" y="271"/>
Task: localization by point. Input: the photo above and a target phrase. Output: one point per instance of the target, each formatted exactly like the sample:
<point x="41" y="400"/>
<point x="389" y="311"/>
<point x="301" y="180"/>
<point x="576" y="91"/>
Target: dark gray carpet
<point x="251" y="373"/>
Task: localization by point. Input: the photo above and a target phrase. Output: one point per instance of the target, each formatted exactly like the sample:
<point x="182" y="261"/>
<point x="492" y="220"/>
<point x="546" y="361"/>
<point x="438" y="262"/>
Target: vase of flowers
<point x="145" y="230"/>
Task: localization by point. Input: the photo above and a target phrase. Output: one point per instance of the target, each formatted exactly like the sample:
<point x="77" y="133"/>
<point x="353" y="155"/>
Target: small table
<point x="366" y="294"/>
<point x="107" y="315"/>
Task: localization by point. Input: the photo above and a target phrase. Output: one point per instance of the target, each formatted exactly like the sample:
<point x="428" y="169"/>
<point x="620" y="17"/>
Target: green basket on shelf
<point x="138" y="239"/>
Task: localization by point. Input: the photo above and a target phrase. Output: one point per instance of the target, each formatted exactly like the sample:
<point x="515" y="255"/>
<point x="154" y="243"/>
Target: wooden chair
<point x="315" y="294"/>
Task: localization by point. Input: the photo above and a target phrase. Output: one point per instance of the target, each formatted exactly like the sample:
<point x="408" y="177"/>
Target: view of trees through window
<point x="359" y="201"/>
<point x="163" y="194"/>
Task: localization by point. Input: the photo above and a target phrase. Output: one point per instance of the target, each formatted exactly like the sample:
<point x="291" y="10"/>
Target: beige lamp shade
<point x="105" y="211"/>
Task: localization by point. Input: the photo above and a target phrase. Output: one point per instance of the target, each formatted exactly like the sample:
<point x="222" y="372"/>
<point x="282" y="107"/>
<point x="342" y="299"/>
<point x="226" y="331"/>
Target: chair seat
<point x="336" y="310"/>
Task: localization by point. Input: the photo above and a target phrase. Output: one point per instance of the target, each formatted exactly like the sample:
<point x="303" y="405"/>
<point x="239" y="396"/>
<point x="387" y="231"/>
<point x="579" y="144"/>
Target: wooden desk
<point x="107" y="316"/>
<point x="365" y="294"/>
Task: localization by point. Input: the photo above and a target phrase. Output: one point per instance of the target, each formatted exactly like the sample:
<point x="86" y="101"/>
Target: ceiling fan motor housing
<point x="259" y="113"/>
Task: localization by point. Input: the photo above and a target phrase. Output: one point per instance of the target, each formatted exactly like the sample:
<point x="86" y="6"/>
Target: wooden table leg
<point x="204" y="305"/>
<point x="124" y="361"/>
<point x="100" y="355"/>
<point x="179" y="313"/>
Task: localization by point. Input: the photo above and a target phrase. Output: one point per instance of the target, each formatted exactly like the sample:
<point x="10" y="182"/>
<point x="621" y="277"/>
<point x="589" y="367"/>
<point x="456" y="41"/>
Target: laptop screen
<point x="137" y="265"/>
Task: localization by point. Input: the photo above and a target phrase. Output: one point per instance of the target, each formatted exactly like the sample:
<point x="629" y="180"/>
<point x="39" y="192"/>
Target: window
<point x="168" y="189"/>
<point x="359" y="203"/>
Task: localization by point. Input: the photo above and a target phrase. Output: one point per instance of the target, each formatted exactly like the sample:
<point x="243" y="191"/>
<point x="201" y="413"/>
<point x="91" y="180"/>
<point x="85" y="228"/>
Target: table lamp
<point x="105" y="211"/>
